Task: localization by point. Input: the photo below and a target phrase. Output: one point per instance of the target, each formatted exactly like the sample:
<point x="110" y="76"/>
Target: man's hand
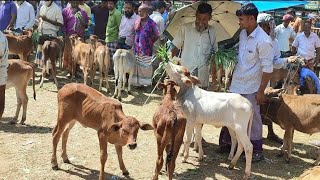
<point x="261" y="98"/>
<point x="44" y="18"/>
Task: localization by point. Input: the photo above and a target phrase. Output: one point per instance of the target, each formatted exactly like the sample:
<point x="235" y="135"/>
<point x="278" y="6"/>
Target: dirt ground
<point x="25" y="151"/>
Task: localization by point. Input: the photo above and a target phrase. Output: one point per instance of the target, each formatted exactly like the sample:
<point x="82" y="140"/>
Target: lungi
<point x="143" y="71"/>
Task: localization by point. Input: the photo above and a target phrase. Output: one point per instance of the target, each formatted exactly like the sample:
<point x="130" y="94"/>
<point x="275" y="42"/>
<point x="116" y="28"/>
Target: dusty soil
<point x="25" y="151"/>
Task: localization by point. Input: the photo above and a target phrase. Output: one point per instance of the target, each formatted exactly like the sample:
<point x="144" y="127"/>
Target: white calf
<point x="218" y="109"/>
<point x="124" y="62"/>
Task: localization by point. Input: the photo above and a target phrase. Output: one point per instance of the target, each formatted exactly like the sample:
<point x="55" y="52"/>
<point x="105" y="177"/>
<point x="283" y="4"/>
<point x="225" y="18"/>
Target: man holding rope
<point x="198" y="43"/>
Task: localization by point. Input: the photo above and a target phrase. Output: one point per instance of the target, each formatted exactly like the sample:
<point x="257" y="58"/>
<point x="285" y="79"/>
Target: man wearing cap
<point x="285" y="34"/>
<point x="305" y="45"/>
<point x="252" y="72"/>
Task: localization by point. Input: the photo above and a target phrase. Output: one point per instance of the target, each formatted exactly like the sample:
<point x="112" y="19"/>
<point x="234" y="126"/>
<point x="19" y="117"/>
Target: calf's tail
<point x="171" y="125"/>
<point x="250" y="123"/>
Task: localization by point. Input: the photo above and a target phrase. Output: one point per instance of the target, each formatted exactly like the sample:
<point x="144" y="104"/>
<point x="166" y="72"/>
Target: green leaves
<point x="163" y="56"/>
<point x="35" y="37"/>
<point x="226" y="57"/>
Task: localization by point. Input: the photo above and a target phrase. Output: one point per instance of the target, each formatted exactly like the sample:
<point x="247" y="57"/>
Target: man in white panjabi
<point x="50" y="21"/>
<point x="4" y="51"/>
<point x="197" y="41"/>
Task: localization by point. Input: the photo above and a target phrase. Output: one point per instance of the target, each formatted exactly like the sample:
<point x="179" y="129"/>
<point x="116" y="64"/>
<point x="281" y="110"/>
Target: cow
<point x="19" y="74"/>
<point x="83" y="104"/>
<point x="124" y="62"/>
<point x="291" y="112"/>
<point x="21" y="45"/>
<point x="102" y="58"/>
<point x="310" y="174"/>
<point x="169" y="125"/>
<point x="82" y="54"/>
<point x="50" y="55"/>
<point x="219" y="109"/>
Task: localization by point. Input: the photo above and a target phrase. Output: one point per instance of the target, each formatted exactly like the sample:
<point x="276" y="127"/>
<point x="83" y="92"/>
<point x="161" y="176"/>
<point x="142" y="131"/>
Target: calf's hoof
<point x="129" y="92"/>
<point x="125" y="173"/>
<point x="22" y="123"/>
<point x="246" y="176"/>
<point x="67" y="161"/>
<point x="119" y="98"/>
<point x="55" y="167"/>
<point x="287" y="160"/>
<point x="231" y="166"/>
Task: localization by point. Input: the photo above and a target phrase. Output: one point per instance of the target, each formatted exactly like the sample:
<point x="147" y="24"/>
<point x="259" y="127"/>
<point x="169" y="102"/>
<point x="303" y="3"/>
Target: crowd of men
<point x="138" y="26"/>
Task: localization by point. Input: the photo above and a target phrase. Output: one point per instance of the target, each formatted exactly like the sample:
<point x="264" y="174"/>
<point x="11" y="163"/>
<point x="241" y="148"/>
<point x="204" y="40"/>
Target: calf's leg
<point x="19" y="103"/>
<point x="2" y="97"/>
<point x="317" y="162"/>
<point x="233" y="143"/>
<point x="159" y="163"/>
<point x="189" y="129"/>
<point x="65" y="136"/>
<point x="121" y="164"/>
<point x="24" y="99"/>
<point x="198" y="135"/>
<point x="103" y="153"/>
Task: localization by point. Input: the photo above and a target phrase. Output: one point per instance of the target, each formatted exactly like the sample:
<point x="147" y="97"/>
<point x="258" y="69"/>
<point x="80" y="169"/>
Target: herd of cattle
<point x="185" y="106"/>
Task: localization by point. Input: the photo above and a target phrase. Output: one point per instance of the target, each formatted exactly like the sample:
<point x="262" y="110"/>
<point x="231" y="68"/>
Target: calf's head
<point x="181" y="75"/>
<point x="170" y="88"/>
<point x="128" y="130"/>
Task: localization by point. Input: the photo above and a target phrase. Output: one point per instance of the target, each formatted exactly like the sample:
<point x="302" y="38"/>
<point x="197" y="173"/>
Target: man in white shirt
<point x="126" y="28"/>
<point x="198" y="42"/>
<point x="50" y="21"/>
<point x="252" y="72"/>
<point x="4" y="51"/>
<point x="307" y="45"/>
<point x="156" y="16"/>
<point x="25" y="15"/>
<point x="285" y="34"/>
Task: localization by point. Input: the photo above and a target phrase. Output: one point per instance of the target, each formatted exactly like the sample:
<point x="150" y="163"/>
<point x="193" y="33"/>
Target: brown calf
<point x="78" y="102"/>
<point x="169" y="125"/>
<point x="290" y="112"/>
<point x="82" y="54"/>
<point x="310" y="174"/>
<point x="21" y="45"/>
<point x="102" y="58"/>
<point x="50" y="53"/>
<point x="19" y="74"/>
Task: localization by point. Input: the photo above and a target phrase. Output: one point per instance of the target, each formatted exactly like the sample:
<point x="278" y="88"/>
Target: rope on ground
<point x="154" y="88"/>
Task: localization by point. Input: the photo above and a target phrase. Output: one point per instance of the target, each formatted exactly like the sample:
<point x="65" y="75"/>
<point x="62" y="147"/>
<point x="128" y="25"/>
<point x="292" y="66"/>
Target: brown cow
<point x="21" y="45"/>
<point x="50" y="53"/>
<point x="19" y="74"/>
<point x="310" y="174"/>
<point x="290" y="112"/>
<point x="82" y="54"/>
<point x="78" y="102"/>
<point x="102" y="58"/>
<point x="169" y="125"/>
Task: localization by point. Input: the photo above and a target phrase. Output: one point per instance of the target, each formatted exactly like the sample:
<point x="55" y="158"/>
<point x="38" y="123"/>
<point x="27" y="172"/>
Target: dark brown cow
<point x="50" y="52"/>
<point x="169" y="125"/>
<point x="291" y="112"/>
<point x="78" y="102"/>
<point x="19" y="74"/>
<point x="21" y="45"/>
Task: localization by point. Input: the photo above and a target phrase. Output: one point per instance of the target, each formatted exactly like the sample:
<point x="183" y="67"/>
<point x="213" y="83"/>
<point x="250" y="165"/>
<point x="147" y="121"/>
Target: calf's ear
<point x="160" y="86"/>
<point x="186" y="81"/>
<point x="114" y="127"/>
<point x="146" y="126"/>
<point x="177" y="88"/>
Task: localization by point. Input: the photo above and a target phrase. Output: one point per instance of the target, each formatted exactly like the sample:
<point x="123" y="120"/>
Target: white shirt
<point x="158" y="19"/>
<point x="126" y="28"/>
<point x="53" y="13"/>
<point x="25" y="16"/>
<point x="283" y="34"/>
<point x="4" y="51"/>
<point x="278" y="62"/>
<point x="196" y="49"/>
<point x="255" y="57"/>
<point x="306" y="46"/>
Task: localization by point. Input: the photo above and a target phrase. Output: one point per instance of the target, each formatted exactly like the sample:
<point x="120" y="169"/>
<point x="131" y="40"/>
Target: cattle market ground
<point x="25" y="151"/>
